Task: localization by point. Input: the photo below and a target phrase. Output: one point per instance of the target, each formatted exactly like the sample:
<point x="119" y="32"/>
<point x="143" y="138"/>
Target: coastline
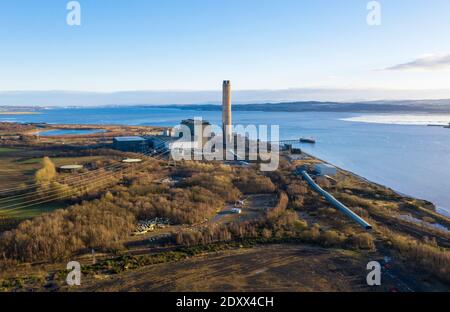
<point x="438" y="210"/>
<point x="19" y="113"/>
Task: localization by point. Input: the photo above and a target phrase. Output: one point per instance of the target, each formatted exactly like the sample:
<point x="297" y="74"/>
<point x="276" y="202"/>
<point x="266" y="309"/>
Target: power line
<point x="31" y="186"/>
<point x="76" y="180"/>
<point x="39" y="201"/>
<point x="76" y="183"/>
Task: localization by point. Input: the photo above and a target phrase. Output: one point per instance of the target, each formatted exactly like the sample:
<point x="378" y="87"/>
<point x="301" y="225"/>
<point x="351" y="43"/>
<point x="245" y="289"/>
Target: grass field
<point x="60" y="161"/>
<point x="31" y="212"/>
<point x="8" y="150"/>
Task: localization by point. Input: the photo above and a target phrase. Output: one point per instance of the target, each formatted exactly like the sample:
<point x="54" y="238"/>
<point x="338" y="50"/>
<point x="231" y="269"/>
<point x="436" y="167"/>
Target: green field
<point x="60" y="161"/>
<point x="8" y="150"/>
<point x="31" y="212"/>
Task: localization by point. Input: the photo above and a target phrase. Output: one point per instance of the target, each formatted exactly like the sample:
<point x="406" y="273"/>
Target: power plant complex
<point x="146" y="144"/>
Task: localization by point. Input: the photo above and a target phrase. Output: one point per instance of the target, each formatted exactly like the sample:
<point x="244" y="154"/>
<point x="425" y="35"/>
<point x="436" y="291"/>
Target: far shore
<point x="19" y="113"/>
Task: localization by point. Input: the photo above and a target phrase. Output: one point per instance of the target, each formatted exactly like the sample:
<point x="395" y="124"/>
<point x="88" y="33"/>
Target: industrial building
<point x="325" y="170"/>
<point x="192" y="123"/>
<point x="202" y="137"/>
<point x="138" y="144"/>
<point x="160" y="142"/>
<point x="143" y="145"/>
<point x="134" y="144"/>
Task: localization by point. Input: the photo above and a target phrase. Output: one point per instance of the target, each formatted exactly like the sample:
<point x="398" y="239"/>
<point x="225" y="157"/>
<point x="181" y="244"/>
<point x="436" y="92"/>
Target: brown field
<point x="297" y="268"/>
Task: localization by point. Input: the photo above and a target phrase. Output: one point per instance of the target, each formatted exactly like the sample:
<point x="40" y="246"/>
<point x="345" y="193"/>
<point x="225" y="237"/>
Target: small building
<point x="236" y="211"/>
<point x="325" y="170"/>
<point x="132" y="161"/>
<point x="135" y="144"/>
<point x="70" y="168"/>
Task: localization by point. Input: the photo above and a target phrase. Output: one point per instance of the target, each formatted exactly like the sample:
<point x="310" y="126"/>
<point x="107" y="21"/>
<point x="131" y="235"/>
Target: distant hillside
<point x="422" y="106"/>
<point x="406" y="106"/>
<point x="19" y="109"/>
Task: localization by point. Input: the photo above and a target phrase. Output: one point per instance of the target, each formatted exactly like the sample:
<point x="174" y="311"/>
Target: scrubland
<point x="295" y="230"/>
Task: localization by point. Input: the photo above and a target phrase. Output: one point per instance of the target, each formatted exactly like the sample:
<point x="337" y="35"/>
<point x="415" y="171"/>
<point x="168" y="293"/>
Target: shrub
<point x="251" y="183"/>
<point x="266" y="233"/>
<point x="280" y="208"/>
<point x="44" y="177"/>
<point x="296" y="189"/>
<point x="297" y="203"/>
<point x="57" y="235"/>
<point x="220" y="184"/>
<point x="323" y="182"/>
<point x="424" y="255"/>
<point x="47" y="173"/>
<point x="363" y="241"/>
<point x="332" y="238"/>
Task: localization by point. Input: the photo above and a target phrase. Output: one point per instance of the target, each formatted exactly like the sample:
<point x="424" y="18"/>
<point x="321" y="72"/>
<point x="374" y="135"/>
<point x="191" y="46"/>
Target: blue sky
<point x="195" y="44"/>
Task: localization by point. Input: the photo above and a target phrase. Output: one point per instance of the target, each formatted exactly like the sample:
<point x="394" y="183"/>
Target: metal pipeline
<point x="333" y="201"/>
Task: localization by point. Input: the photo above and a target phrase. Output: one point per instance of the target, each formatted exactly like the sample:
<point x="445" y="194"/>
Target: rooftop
<point x="129" y="139"/>
<point x="71" y="167"/>
<point x="325" y="165"/>
<point x="162" y="138"/>
<point x="132" y="160"/>
<point x="192" y="121"/>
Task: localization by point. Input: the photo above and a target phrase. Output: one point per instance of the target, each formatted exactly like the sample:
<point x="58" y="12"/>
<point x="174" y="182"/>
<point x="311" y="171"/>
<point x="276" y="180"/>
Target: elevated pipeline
<point x="335" y="203"/>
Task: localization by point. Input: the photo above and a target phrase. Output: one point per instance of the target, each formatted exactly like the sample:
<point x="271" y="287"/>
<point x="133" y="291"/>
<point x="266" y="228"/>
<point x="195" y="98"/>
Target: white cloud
<point x="425" y="63"/>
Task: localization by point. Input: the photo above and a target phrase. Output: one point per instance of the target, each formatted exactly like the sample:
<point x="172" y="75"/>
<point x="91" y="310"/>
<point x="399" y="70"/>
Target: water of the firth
<point x="411" y="159"/>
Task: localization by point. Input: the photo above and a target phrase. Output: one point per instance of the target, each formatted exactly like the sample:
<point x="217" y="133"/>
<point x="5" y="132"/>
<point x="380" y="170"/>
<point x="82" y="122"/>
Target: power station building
<point x="145" y="144"/>
<point x="198" y="126"/>
<point x="133" y="144"/>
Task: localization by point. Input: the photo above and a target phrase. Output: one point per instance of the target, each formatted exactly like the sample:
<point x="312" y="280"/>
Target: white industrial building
<point x="325" y="170"/>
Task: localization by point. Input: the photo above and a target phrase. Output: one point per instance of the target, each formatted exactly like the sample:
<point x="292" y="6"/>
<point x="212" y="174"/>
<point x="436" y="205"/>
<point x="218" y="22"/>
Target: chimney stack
<point x="226" y="111"/>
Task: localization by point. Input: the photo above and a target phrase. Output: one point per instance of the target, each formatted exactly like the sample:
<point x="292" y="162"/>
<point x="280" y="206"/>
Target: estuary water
<point x="63" y="132"/>
<point x="399" y="151"/>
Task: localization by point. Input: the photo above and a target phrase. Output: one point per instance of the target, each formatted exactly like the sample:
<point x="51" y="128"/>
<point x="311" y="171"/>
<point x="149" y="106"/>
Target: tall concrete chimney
<point x="226" y="111"/>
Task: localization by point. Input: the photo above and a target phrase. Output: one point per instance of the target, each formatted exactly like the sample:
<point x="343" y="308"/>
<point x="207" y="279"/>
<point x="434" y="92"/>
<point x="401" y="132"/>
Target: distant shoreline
<point x="19" y="113"/>
<point x="393" y="107"/>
